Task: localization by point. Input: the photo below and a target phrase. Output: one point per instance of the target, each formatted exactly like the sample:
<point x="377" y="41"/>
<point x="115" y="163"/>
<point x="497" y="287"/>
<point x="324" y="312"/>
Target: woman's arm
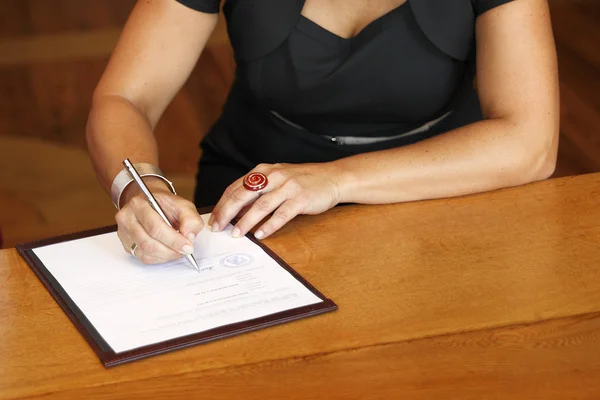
<point x="516" y="143"/>
<point x="156" y="52"/>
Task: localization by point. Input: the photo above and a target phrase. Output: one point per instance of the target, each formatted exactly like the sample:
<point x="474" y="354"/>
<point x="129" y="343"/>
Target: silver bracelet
<point x="123" y="179"/>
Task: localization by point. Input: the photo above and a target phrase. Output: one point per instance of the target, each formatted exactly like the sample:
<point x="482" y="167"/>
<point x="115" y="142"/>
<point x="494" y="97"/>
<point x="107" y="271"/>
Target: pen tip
<point x="193" y="261"/>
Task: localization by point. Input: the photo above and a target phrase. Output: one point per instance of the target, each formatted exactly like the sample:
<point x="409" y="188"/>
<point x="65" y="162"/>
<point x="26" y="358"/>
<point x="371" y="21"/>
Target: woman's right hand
<point x="155" y="241"/>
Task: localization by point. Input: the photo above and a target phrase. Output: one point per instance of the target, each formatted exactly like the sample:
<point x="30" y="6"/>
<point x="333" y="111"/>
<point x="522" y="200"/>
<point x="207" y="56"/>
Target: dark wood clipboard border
<point x="109" y="358"/>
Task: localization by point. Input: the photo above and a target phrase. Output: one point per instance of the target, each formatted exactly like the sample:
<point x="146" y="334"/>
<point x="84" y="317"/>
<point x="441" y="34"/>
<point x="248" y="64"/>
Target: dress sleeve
<point x="482" y="6"/>
<point x="207" y="6"/>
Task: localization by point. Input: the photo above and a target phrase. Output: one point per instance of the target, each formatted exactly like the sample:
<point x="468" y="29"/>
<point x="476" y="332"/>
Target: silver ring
<point x="132" y="249"/>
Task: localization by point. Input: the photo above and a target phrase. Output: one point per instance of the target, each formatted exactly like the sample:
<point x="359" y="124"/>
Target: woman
<point x="334" y="101"/>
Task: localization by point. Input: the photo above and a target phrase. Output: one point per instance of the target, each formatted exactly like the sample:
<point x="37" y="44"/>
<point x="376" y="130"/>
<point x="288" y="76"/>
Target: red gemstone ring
<point x="255" y="181"/>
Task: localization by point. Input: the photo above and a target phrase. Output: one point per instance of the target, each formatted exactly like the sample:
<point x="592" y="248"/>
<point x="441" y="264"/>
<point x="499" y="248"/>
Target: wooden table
<point x="482" y="297"/>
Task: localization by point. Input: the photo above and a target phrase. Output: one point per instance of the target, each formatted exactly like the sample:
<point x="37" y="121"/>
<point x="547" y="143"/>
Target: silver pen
<point x="138" y="179"/>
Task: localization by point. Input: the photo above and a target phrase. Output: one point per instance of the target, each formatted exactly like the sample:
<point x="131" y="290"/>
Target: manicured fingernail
<point x="259" y="234"/>
<point x="236" y="233"/>
<point x="215" y="227"/>
<point x="191" y="237"/>
<point x="187" y="249"/>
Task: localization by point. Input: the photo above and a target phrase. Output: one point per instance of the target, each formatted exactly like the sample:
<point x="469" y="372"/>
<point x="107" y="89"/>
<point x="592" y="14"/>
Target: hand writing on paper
<point x="155" y="241"/>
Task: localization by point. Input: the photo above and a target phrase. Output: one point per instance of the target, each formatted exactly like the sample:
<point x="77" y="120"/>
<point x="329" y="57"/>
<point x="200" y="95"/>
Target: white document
<point x="133" y="305"/>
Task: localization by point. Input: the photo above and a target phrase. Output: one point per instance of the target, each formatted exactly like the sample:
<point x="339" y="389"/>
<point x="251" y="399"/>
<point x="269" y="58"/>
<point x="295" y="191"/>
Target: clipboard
<point x="109" y="358"/>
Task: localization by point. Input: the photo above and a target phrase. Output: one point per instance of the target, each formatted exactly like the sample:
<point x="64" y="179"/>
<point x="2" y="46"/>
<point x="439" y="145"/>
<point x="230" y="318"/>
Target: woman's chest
<point x="388" y="72"/>
<point x="347" y="18"/>
<point x="390" y="66"/>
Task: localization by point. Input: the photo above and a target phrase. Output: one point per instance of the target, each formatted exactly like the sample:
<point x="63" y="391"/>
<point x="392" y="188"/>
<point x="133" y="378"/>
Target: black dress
<point x="300" y="91"/>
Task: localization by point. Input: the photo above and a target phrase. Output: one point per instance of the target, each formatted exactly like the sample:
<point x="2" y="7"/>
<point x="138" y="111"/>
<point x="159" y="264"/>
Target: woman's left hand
<point x="292" y="189"/>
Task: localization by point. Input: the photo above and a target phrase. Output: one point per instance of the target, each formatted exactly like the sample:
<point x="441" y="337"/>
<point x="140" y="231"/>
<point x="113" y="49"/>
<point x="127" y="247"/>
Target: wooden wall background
<point x="52" y="53"/>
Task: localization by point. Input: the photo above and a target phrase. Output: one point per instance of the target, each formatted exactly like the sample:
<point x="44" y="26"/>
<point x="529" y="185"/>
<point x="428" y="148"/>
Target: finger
<point x="125" y="217"/>
<point x="222" y="199"/>
<point x="284" y="214"/>
<point x="149" y="250"/>
<point x="236" y="194"/>
<point x="262" y="207"/>
<point x="126" y="241"/>
<point x="239" y="215"/>
<point x="236" y="197"/>
<point x="158" y="229"/>
<point x="243" y="211"/>
<point x="231" y="203"/>
<point x="190" y="223"/>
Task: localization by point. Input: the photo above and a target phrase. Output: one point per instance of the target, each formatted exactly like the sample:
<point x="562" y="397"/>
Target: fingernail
<point x="236" y="233"/>
<point x="259" y="234"/>
<point x="191" y="237"/>
<point x="187" y="249"/>
<point x="215" y="227"/>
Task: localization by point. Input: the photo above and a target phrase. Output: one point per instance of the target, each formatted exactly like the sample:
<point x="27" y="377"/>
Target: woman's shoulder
<point x="482" y="6"/>
<point x="207" y="6"/>
<point x="450" y="24"/>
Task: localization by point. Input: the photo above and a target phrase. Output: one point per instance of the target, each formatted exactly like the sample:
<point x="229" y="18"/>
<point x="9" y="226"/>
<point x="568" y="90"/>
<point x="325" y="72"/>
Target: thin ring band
<point x="132" y="248"/>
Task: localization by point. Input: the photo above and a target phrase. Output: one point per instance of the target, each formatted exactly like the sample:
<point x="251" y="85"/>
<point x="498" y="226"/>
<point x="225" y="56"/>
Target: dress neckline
<point x="371" y="26"/>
